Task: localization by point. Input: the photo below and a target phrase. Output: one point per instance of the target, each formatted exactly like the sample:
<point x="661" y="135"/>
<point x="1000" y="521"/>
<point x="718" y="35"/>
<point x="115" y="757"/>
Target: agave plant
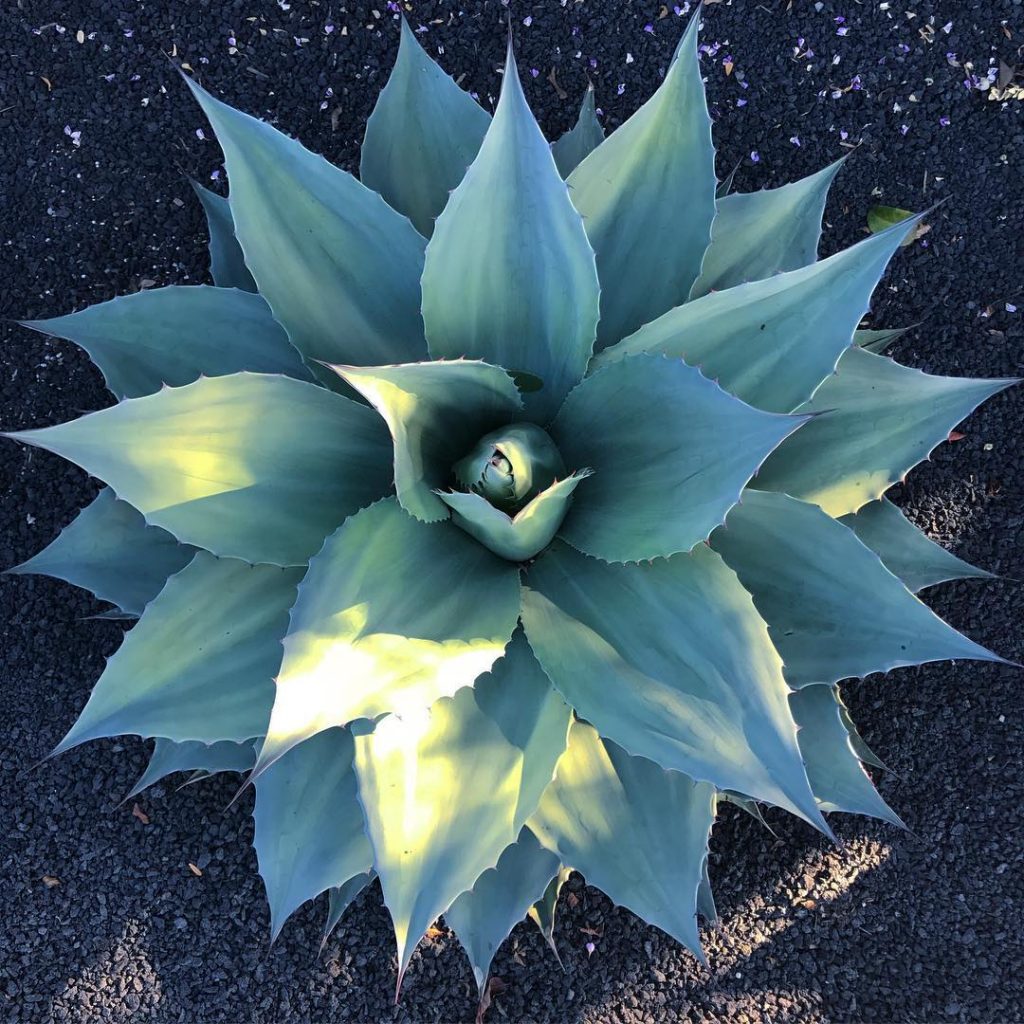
<point x="501" y="521"/>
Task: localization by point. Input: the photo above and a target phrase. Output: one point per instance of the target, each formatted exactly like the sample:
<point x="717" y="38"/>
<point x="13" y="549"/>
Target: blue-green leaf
<point x="882" y="420"/>
<point x="836" y="774"/>
<point x="422" y="135"/>
<point x="544" y="911"/>
<point x="771" y="342"/>
<point x="169" y="757"/>
<point x="509" y="274"/>
<point x="483" y="916"/>
<point x="832" y="608"/>
<point x="175" y="335"/>
<point x="671" y="661"/>
<point x="582" y="139"/>
<point x="647" y="195"/>
<point x="758" y="234"/>
<point x="339" y="267"/>
<point x="309" y="826"/>
<point x="252" y="466"/>
<point x="341" y="897"/>
<point x="227" y="262"/>
<point x="436" y="412"/>
<point x="392" y="615"/>
<point x="670" y="451"/>
<point x="110" y="551"/>
<point x="635" y="831"/>
<point x="201" y="662"/>
<point x="904" y="550"/>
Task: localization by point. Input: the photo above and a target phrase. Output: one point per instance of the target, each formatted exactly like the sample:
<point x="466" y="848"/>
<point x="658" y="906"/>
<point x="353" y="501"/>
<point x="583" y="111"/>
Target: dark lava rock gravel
<point x="104" y="919"/>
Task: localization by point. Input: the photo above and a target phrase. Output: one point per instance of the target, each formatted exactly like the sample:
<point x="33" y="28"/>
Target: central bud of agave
<point x="514" y="491"/>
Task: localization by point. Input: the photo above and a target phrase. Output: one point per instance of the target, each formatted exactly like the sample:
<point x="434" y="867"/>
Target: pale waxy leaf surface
<point x="483" y="916"/>
<point x="227" y="262"/>
<point x="169" y="757"/>
<point x="647" y="196"/>
<point x="309" y="825"/>
<point x="200" y="663"/>
<point x="580" y="140"/>
<point x="517" y="537"/>
<point x="252" y="466"/>
<point x="757" y="234"/>
<point x="175" y="335"/>
<point x="833" y="609"/>
<point x="837" y="777"/>
<point x="635" y="831"/>
<point x="109" y="550"/>
<point x="436" y="412"/>
<point x="509" y="275"/>
<point x="670" y="451"/>
<point x="877" y="341"/>
<point x="882" y="420"/>
<point x="422" y="135"/>
<point x="771" y="342"/>
<point x="446" y="789"/>
<point x="905" y="550"/>
<point x="392" y="615"/>
<point x="672" y="662"/>
<point x="338" y="266"/>
<point x="341" y="897"/>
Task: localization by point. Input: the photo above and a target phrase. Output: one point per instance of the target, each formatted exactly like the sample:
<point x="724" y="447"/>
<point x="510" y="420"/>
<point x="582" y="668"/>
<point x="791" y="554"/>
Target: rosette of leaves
<point x="502" y="511"/>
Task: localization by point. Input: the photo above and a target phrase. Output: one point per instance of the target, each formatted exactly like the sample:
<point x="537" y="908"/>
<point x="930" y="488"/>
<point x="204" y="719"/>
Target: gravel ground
<point x="103" y="918"/>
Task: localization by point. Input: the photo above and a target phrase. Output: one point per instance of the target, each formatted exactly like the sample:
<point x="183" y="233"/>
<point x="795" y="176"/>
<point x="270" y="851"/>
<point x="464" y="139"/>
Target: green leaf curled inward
<point x="833" y="609"/>
<point x="200" y="663"/>
<point x="671" y="661"/>
<point x="392" y="615"/>
<point x="580" y="140"/>
<point x="227" y="262"/>
<point x="878" y="341"/>
<point x="635" y="831"/>
<point x="226" y="464"/>
<point x="309" y="827"/>
<point x="169" y="757"/>
<point x="422" y="135"/>
<point x="341" y="897"/>
<point x="175" y="335"/>
<point x="882" y="420"/>
<point x="670" y="452"/>
<point x="337" y="265"/>
<point x="544" y="911"/>
<point x="435" y="412"/>
<point x="647" y="196"/>
<point x="882" y="217"/>
<point x="110" y="551"/>
<point x="447" y="789"/>
<point x="509" y="275"/>
<point x="771" y="342"/>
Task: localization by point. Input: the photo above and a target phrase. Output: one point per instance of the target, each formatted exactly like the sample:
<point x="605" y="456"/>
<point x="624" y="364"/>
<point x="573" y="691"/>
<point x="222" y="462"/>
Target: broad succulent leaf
<point x="169" y="757"/>
<point x="832" y="607"/>
<point x="649" y="250"/>
<point x="580" y="140"/>
<point x="341" y="897"/>
<point x="422" y="135"/>
<point x="670" y="452"/>
<point x="883" y="419"/>
<point x="339" y="268"/>
<point x="544" y="911"/>
<point x="435" y="412"/>
<point x="672" y="662"/>
<point x="878" y="341"/>
<point x="446" y="789"/>
<point x="772" y="342"/>
<point x="227" y="261"/>
<point x="309" y="825"/>
<point x="637" y="832"/>
<point x="483" y="916"/>
<point x="110" y="551"/>
<point x="837" y="776"/>
<point x="905" y="550"/>
<point x="200" y="663"/>
<point x="227" y="465"/>
<point x="515" y="537"/>
<point x="757" y="234"/>
<point x="509" y="274"/>
<point x="392" y="615"/>
<point x="174" y="335"/>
